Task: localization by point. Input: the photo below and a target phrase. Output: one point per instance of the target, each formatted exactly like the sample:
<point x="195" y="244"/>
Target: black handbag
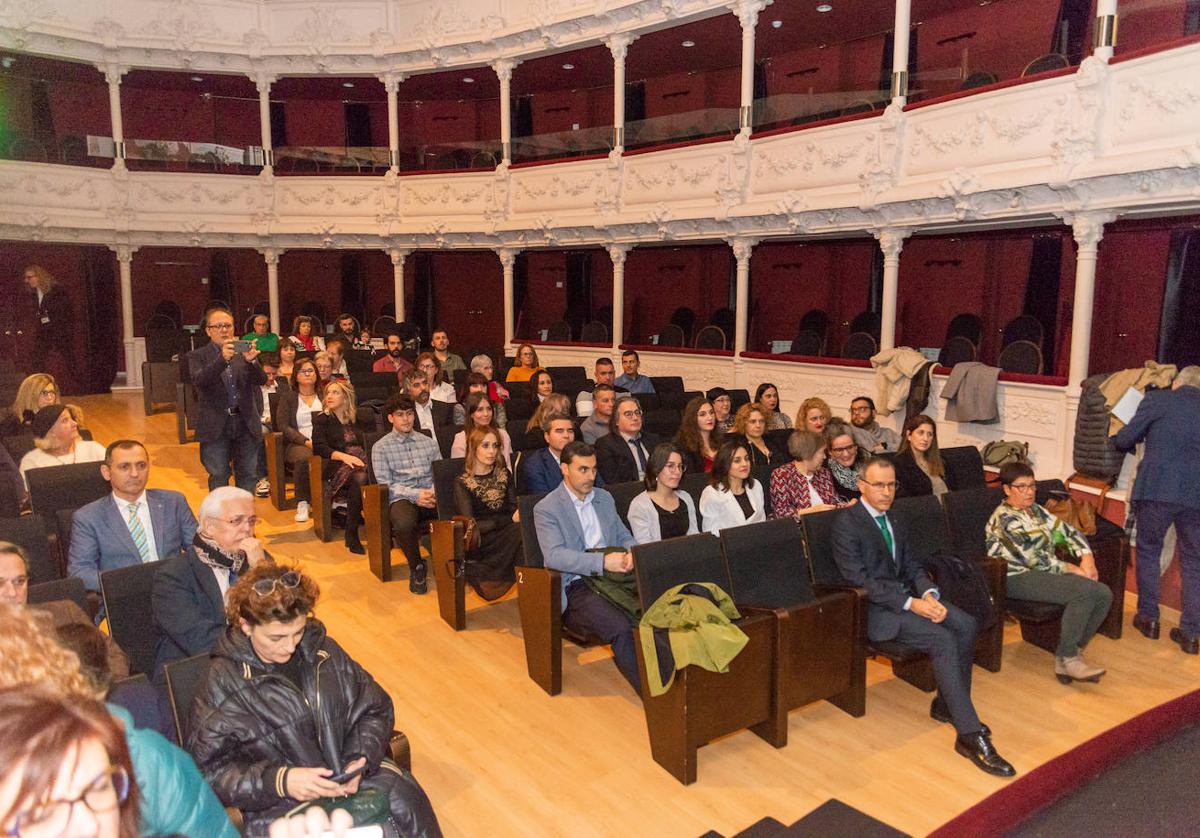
<point x="963" y="584"/>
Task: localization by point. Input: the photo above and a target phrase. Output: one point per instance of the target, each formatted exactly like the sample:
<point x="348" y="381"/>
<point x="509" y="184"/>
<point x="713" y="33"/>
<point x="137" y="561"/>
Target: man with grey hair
<point x="1167" y="492"/>
<point x="188" y="598"/>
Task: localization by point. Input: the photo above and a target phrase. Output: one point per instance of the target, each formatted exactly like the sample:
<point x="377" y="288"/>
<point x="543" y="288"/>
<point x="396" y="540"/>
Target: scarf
<point x="847" y="478"/>
<point x="213" y="556"/>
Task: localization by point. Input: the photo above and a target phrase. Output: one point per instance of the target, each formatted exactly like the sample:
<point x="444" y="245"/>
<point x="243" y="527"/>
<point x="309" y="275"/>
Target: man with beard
<point x="392" y="362"/>
<point x="868" y="433"/>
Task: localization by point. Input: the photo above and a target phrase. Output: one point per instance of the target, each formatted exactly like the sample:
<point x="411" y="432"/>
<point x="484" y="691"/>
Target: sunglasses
<point x="266" y="587"/>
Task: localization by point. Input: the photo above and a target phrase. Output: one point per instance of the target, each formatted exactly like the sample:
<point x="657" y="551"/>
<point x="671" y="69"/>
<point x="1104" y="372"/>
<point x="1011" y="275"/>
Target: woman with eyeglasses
<point x="302" y="336"/>
<point x="733" y="497"/>
<point x="35" y="392"/>
<point x="844" y="459"/>
<point x="767" y="395"/>
<point x="294" y="414"/>
<point x="486" y="492"/>
<point x="284" y="710"/>
<point x="663" y="510"/>
<point x="804" y="485"/>
<point x="1049" y="561"/>
<point x="479" y="412"/>
<point x="338" y="441"/>
<point x="698" y="437"/>
<point x="476" y="383"/>
<point x="525" y="364"/>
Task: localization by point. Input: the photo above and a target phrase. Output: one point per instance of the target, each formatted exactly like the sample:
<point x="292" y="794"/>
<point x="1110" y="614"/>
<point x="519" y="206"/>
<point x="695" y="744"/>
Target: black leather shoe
<point x="1146" y="626"/>
<point x="979" y="749"/>
<point x="939" y="713"/>
<point x="1190" y="645"/>
<point x="416" y="579"/>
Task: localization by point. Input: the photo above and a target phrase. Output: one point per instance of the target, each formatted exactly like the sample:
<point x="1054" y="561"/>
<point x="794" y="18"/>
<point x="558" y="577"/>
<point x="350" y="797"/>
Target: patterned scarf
<point x="847" y="478"/>
<point x="216" y="558"/>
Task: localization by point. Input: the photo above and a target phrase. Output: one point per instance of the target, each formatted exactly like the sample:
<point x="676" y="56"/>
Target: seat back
<point x="866" y="321"/>
<point x="671" y="335"/>
<point x="594" y="332"/>
<point x="560" y="331"/>
<point x="737" y="398"/>
<point x="859" y="346"/>
<point x="965" y="325"/>
<point x="956" y="350"/>
<point x="661" y="565"/>
<point x="1046" y="63"/>
<point x="64" y="522"/>
<point x="29" y="533"/>
<point x="818" y="547"/>
<point x="964" y="467"/>
<point x="445" y="472"/>
<point x="924" y="523"/>
<point x="807" y="343"/>
<point x="1024" y="327"/>
<point x="63" y="487"/>
<point x="710" y="337"/>
<point x="623" y="495"/>
<point x="979" y="78"/>
<point x="967" y="514"/>
<point x="1021" y="356"/>
<point x="533" y="551"/>
<point x="185" y="677"/>
<point x="70" y="589"/>
<point x="767" y="565"/>
<point x="127" y="593"/>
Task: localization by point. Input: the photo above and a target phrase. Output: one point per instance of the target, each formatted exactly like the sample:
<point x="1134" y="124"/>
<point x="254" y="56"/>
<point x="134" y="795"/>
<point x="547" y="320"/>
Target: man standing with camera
<point x="228" y="381"/>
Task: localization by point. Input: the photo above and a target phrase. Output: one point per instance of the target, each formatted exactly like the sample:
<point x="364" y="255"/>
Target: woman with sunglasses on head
<point x="284" y="711"/>
<point x="663" y="510"/>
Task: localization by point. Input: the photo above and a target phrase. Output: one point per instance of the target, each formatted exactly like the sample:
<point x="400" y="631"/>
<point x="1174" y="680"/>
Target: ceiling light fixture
<point x="347" y="84"/>
<point x="468" y="80"/>
<point x="689" y="43"/>
<point x="824" y="7"/>
<point x="568" y="66"/>
<point x="775" y="24"/>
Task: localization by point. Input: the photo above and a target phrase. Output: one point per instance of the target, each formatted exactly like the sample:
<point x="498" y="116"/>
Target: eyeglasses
<point x="631" y="413"/>
<point x="266" y="587"/>
<point x="306" y="371"/>
<point x="51" y="818"/>
<point x="863" y="409"/>
<point x="222" y="327"/>
<point x="844" y="449"/>
<point x="884" y="487"/>
<point x="240" y="520"/>
<point x="679" y="467"/>
<point x="1023" y="487"/>
<point x="49" y="391"/>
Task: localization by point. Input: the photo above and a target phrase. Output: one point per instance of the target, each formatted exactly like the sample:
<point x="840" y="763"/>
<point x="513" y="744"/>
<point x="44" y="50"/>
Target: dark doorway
<point x="358" y="124"/>
<point x="1041" y="290"/>
<point x="103" y="310"/>
<point x="1179" y="334"/>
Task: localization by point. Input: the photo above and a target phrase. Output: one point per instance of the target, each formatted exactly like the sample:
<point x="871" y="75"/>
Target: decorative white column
<point x="504" y="68"/>
<point x="133" y="364"/>
<point x="112" y="75"/>
<point x="747" y="12"/>
<point x="618" y="252"/>
<point x="1088" y="229"/>
<point x="900" y="51"/>
<point x="618" y="45"/>
<point x="263" y="82"/>
<point x="271" y="257"/>
<point x="508" y="258"/>
<point x="891" y="242"/>
<point x="391" y="83"/>
<point x="398" y="256"/>
<point x="1105" y="33"/>
<point x="742" y="249"/>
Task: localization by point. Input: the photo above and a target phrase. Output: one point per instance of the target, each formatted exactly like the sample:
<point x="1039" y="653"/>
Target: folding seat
<point x="64" y="487"/>
<point x="70" y="589"/>
<point x="964" y="467"/>
<point x="623" y="494"/>
<point x="377" y="523"/>
<point x="127" y="601"/>
<point x="448" y="558"/>
<point x="29" y="533"/>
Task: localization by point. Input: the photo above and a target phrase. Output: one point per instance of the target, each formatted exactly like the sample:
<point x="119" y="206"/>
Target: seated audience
<point x="260" y="332"/>
<point x="338" y="441"/>
<point x="768" y="396"/>
<point x="622" y="454"/>
<point x="541" y="470"/>
<point x="600" y="409"/>
<point x="751" y="423"/>
<point x="450" y="363"/>
<point x="630" y="380"/>
<point x="476" y="383"/>
<point x="294" y="413"/>
<point x="57" y="442"/>
<point x="844" y="459"/>
<point x="541" y="385"/>
<point x="346" y="327"/>
<point x="263" y="750"/>
<point x="132" y="525"/>
<point x="698" y="437"/>
<point x="34" y="392"/>
<point x="804" y="485"/>
<point x="486" y="491"/>
<point x="482" y="364"/>
<point x="525" y="364"/>
<point x="287" y="360"/>
<point x="919" y="466"/>
<point x="582" y="536"/>
<point x="439" y="390"/>
<point x="1041" y="550"/>
<point x="174" y="799"/>
<point x="188" y="597"/>
<point x="870" y="548"/>
<point x="554" y="403"/>
<point x="732" y="497"/>
<point x="302" y="335"/>
<point x="480" y="413"/>
<point x="393" y="359"/>
<point x="868" y="433"/>
<point x="431" y="415"/>
<point x="813" y="415"/>
<point x="722" y="407"/>
<point x="403" y="461"/>
<point x="663" y="510"/>
<point x="337" y="347"/>
<point x="324" y="362"/>
<point x="604" y="373"/>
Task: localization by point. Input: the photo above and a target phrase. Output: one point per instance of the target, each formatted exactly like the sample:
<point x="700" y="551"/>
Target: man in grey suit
<point x="133" y="525"/>
<point x="904" y="605"/>
<point x="575" y="523"/>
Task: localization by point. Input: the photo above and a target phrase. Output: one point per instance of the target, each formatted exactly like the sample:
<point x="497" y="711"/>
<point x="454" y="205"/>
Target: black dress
<point x="491" y="500"/>
<point x="673" y="524"/>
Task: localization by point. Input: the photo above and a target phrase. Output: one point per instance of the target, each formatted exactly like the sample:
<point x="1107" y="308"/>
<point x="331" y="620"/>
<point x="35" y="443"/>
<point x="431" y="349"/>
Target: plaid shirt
<point x="1025" y="539"/>
<point x="404" y="463"/>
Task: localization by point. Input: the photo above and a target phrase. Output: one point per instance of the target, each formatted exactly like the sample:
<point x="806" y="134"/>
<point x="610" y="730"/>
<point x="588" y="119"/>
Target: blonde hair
<point x="45" y="279"/>
<point x="807" y="405"/>
<point x="555" y="403"/>
<point x="349" y="412"/>
<point x="31" y="654"/>
<point x="29" y="391"/>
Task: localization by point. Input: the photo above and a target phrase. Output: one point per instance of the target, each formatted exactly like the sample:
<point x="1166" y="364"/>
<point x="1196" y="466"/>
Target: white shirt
<point x="633" y="446"/>
<point x="143" y="514"/>
<point x="589" y="522"/>
<point x="425" y="415"/>
<point x="304" y="415"/>
<point x="222" y="576"/>
<point x="443" y="393"/>
<point x="86" y="451"/>
<point x="267" y="390"/>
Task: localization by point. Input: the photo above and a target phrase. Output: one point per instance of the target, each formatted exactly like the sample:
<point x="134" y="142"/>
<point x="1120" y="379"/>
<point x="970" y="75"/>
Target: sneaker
<point x="262" y="488"/>
<point x="302" y="512"/>
<point x="416" y="579"/>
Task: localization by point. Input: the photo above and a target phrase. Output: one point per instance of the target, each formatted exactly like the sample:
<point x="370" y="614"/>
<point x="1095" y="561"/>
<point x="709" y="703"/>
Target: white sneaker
<point x="262" y="488"/>
<point x="302" y="512"/>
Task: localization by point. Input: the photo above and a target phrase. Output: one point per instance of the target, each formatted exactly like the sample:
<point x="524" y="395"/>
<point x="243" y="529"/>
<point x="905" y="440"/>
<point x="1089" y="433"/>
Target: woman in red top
<point x="302" y="335"/>
<point x="804" y="485"/>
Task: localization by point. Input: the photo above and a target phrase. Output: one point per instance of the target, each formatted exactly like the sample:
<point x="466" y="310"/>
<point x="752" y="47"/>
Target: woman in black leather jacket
<point x="284" y="708"/>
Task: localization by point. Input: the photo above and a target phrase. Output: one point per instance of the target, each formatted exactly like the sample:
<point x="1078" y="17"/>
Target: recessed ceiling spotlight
<point x="197" y="78"/>
<point x="347" y="84"/>
<point x="775" y="24"/>
<point x="568" y="66"/>
<point x="468" y="80"/>
<point x="689" y="43"/>
<point x="824" y="7"/>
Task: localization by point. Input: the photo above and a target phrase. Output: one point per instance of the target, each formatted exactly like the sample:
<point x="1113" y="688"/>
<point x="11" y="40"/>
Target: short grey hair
<point x="479" y="362"/>
<point x="1189" y="376"/>
<point x="211" y="506"/>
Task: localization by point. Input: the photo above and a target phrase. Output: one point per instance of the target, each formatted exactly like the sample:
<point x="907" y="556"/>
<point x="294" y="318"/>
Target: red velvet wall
<point x="682" y="92"/>
<point x="449" y="121"/>
<point x="559" y="110"/>
<point x="468" y="292"/>
<point x="1144" y="23"/>
<point x="80" y="109"/>
<point x="181" y="274"/>
<point x="545" y="302"/>
<point x="659" y="280"/>
<point x="159" y="114"/>
<point x="788" y="279"/>
<point x="315" y="122"/>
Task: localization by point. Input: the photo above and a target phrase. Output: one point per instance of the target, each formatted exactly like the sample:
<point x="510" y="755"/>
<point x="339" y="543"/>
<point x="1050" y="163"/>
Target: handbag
<point x="470" y="532"/>
<point x="1001" y="451"/>
<point x="1079" y="514"/>
<point x="368" y="807"/>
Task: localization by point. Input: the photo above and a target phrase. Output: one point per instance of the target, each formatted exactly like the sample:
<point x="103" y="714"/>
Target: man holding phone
<point x="228" y="381"/>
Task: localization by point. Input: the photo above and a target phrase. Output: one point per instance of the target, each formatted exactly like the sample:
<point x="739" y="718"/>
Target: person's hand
<point x="848" y="503"/>
<point x="929" y="608"/>
<point x="1076" y="569"/>
<point x="253" y="548"/>
<point x="311" y="783"/>
<point x="517" y="515"/>
<point x="618" y="562"/>
<point x="227" y="351"/>
<point x="311" y="823"/>
<point x="351" y="787"/>
<point x="427" y="499"/>
<point x="349" y="459"/>
<point x="251" y="353"/>
<point x="1087" y="563"/>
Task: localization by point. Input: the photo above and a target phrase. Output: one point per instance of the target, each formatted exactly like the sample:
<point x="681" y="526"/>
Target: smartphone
<point x="242" y="345"/>
<point x="346" y="776"/>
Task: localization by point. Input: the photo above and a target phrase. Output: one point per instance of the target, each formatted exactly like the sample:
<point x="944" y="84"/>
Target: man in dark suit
<point x="228" y="404"/>
<point x="541" y="470"/>
<point x="903" y="605"/>
<point x="431" y="414"/>
<point x="133" y="525"/>
<point x="188" y="597"/>
<point x="1166" y="492"/>
<point x="622" y="454"/>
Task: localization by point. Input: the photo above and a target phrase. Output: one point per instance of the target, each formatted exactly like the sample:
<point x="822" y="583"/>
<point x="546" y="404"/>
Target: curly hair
<point x="743" y="416"/>
<point x="31" y="654"/>
<point x="282" y="605"/>
<point x="807" y="405"/>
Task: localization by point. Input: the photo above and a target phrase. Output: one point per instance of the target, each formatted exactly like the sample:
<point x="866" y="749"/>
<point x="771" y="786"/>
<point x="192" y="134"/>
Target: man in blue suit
<point x="541" y="471"/>
<point x="133" y="525"/>
<point x="1166" y="492"/>
<point x="575" y="523"/>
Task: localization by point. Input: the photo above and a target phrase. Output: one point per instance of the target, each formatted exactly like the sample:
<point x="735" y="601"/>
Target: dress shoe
<point x="353" y="544"/>
<point x="1075" y="668"/>
<point x="416" y="579"/>
<point x="1190" y="645"/>
<point x="1146" y="626"/>
<point x="939" y="713"/>
<point x="979" y="749"/>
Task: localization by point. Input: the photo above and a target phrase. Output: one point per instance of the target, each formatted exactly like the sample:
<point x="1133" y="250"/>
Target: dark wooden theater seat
<point x="447" y="557"/>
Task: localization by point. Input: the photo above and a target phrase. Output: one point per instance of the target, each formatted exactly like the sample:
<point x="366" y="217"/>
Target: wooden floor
<point x="499" y="757"/>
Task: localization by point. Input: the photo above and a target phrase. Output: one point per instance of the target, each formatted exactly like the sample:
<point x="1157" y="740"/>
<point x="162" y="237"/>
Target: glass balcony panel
<point x="1150" y="23"/>
<point x="50" y="110"/>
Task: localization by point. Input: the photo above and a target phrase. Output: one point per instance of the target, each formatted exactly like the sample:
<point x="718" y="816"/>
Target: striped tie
<point x="138" y="532"/>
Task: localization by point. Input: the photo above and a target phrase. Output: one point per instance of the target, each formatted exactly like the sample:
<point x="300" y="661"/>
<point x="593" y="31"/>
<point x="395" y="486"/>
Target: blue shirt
<point x="642" y="385"/>
<point x="404" y="463"/>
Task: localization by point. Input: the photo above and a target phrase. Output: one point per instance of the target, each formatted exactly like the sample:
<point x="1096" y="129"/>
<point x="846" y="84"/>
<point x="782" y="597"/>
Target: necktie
<point x="138" y="532"/>
<point x="882" y="521"/>
<point x="636" y="442"/>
